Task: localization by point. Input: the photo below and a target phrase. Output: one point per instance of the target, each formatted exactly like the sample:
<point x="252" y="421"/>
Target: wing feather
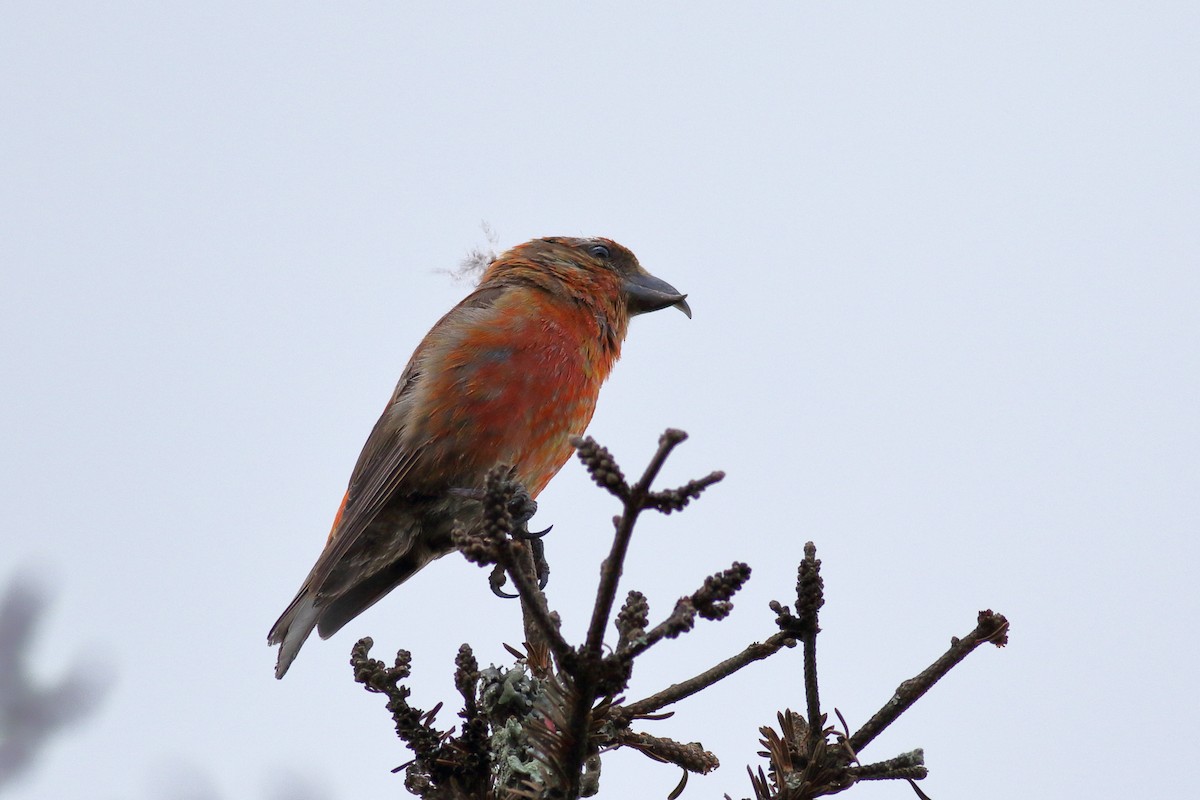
<point x="387" y="457"/>
<point x="383" y="469"/>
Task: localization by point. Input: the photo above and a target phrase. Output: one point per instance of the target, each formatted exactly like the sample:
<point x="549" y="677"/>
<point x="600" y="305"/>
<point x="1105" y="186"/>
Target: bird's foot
<point x="498" y="579"/>
<point x="540" y="565"/>
<point x="523" y="507"/>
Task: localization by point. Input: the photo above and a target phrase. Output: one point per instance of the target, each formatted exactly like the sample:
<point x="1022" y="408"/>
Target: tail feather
<point x="339" y="605"/>
<point x="292" y="629"/>
<point x="365" y="593"/>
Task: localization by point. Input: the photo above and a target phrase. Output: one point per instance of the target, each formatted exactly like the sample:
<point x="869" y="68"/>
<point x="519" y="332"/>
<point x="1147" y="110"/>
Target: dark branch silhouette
<point x="34" y="710"/>
<point x="538" y="729"/>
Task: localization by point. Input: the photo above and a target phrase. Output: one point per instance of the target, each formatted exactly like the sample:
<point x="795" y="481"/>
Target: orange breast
<point x="517" y="381"/>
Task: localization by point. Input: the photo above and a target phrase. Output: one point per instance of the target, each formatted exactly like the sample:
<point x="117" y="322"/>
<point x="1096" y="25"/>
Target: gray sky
<point x="943" y="263"/>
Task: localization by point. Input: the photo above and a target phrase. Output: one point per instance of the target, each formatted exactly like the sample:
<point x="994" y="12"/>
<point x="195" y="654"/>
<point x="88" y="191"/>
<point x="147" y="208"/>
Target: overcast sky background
<point x="943" y="263"/>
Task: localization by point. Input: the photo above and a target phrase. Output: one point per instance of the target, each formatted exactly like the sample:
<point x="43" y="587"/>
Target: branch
<point x="537" y="732"/>
<point x="710" y="602"/>
<point x="613" y="566"/>
<point x="673" y="694"/>
<point x="413" y="725"/>
<point x="810" y="596"/>
<point x="591" y="668"/>
<point x="992" y="628"/>
<point x="804" y="763"/>
<point x="493" y="543"/>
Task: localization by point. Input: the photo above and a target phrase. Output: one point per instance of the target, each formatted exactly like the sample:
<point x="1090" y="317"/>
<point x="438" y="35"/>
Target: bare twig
<point x="910" y="765"/>
<point x="536" y="616"/>
<point x="692" y="756"/>
<point x="541" y="627"/>
<point x="992" y="628"/>
<point x="673" y="694"/>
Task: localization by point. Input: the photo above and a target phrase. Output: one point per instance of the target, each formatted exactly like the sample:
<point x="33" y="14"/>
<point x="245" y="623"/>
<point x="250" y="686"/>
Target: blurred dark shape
<point x="32" y="710"/>
<point x="182" y="778"/>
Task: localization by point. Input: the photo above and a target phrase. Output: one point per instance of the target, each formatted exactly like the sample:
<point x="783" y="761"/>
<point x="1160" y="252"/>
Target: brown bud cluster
<point x="601" y="466"/>
<point x="712" y="600"/>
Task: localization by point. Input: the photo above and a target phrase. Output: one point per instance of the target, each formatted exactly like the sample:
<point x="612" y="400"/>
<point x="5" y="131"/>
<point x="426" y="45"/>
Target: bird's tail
<point x="292" y="629"/>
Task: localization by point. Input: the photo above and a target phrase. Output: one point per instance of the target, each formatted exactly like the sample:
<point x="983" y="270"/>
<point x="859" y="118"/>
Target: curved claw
<point x="527" y="534"/>
<point x="498" y="579"/>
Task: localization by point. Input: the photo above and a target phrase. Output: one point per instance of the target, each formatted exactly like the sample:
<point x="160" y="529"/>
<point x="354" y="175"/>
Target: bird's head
<point x="598" y="267"/>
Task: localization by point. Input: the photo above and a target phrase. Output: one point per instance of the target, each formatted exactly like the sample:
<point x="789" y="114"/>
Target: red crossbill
<point x="509" y="376"/>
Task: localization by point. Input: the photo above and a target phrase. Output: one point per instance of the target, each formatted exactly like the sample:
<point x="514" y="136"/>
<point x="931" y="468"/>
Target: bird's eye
<point x="599" y="251"/>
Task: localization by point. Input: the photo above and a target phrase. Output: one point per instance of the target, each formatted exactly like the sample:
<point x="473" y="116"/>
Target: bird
<point x="507" y="377"/>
